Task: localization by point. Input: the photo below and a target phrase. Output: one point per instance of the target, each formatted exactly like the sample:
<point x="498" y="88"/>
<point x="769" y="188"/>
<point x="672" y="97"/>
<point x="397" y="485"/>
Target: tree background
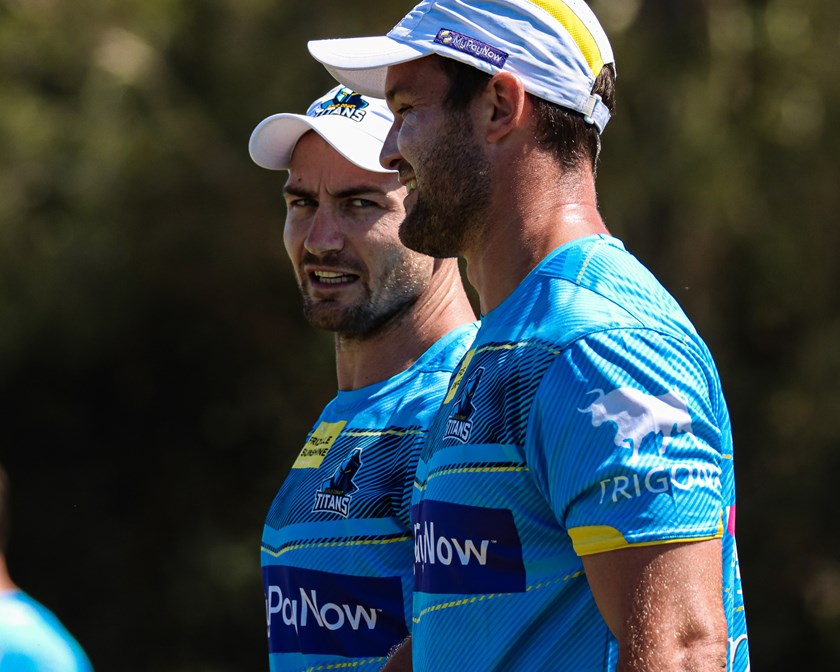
<point x="157" y="377"/>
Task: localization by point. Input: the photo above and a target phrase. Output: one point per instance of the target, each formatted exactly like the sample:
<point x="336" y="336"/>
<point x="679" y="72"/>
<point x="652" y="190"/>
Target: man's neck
<point x="530" y="220"/>
<point x="397" y="345"/>
<point x="6" y="583"/>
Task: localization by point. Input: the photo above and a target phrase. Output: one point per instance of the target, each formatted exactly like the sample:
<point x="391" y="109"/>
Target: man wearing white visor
<point x="337" y="552"/>
<point x="574" y="505"/>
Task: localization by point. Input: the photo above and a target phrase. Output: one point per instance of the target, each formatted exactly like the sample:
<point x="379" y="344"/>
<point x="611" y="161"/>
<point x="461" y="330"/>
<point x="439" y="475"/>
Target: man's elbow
<point x="702" y="645"/>
<point x="698" y="644"/>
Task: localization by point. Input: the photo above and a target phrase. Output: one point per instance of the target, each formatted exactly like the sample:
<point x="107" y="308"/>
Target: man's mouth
<point x="407" y="179"/>
<point x="332" y="277"/>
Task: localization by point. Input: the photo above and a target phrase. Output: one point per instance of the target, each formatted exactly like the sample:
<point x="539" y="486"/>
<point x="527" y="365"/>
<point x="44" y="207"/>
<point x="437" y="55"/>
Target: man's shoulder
<point x="32" y="634"/>
<point x="600" y="265"/>
<point x="595" y="285"/>
<point x="574" y="291"/>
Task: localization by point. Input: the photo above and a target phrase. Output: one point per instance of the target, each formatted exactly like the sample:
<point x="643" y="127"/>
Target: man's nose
<point x="324" y="235"/>
<point x="390" y="156"/>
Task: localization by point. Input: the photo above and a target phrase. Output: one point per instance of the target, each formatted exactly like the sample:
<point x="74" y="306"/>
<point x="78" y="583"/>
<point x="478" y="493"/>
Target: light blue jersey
<point x="588" y="416"/>
<point x="32" y="639"/>
<point x="337" y="553"/>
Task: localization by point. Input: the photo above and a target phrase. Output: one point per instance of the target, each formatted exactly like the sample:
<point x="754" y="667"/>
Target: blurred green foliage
<point x="157" y="377"/>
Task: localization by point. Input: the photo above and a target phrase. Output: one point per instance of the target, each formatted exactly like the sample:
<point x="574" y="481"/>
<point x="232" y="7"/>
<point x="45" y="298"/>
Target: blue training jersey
<point x="32" y="639"/>
<point x="588" y="416"/>
<point x="337" y="554"/>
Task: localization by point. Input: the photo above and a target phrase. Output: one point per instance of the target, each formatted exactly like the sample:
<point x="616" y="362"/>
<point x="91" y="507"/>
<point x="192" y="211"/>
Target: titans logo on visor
<point x="345" y="103"/>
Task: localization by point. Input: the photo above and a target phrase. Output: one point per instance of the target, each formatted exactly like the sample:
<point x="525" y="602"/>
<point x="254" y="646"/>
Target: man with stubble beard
<point x="337" y="550"/>
<point x="574" y="506"/>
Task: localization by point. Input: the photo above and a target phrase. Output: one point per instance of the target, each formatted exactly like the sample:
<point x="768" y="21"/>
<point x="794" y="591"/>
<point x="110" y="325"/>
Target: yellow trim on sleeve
<point x="591" y="539"/>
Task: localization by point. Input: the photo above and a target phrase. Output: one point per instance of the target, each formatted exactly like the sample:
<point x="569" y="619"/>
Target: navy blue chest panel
<point x="364" y="475"/>
<point x="494" y="396"/>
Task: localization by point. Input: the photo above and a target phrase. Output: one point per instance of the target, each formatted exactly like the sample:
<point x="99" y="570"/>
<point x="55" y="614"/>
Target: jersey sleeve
<point x="624" y="441"/>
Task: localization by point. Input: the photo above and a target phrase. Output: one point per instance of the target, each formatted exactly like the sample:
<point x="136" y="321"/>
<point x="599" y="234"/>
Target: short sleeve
<point x="624" y="441"/>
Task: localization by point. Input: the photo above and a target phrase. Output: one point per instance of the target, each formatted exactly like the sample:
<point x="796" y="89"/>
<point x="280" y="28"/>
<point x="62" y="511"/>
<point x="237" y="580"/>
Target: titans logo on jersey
<point x="459" y="425"/>
<point x="335" y="494"/>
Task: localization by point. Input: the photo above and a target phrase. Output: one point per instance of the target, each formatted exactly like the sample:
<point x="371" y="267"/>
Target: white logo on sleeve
<point x="637" y="415"/>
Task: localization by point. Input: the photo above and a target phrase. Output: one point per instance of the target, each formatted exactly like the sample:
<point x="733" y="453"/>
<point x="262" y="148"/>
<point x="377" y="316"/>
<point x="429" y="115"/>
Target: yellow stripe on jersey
<point x="591" y="539"/>
<point x="384" y="432"/>
<point x="459" y="377"/>
<point x="520" y="344"/>
<point x="456" y="381"/>
<point x="334" y="544"/>
<point x="489" y="596"/>
<point x="472" y="470"/>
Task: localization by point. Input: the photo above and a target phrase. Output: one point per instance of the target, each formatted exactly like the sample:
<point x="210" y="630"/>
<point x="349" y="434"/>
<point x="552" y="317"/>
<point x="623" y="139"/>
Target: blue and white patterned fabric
<point x="337" y="554"/>
<point x="588" y="416"/>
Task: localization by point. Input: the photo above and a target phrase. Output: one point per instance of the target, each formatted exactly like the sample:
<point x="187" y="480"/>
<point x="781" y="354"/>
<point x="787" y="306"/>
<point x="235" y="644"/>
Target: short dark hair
<point x="4" y="509"/>
<point x="559" y="130"/>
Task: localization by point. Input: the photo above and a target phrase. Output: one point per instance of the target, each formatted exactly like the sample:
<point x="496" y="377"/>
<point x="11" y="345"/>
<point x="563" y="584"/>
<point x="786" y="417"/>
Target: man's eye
<point x="361" y="203"/>
<point x="301" y="203"/>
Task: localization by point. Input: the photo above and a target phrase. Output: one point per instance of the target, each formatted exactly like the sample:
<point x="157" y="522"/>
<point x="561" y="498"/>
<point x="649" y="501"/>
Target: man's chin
<point x="322" y="315"/>
<point x="324" y="320"/>
<point x="421" y="232"/>
<point x="340" y="320"/>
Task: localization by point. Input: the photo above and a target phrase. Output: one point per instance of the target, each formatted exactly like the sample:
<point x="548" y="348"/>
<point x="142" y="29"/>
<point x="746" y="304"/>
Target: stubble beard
<point x="453" y="195"/>
<point x="400" y="283"/>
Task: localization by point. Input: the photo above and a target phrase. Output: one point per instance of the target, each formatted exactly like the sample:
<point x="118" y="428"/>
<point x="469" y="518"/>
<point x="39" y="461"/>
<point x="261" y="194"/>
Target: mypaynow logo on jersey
<point x="466" y="549"/>
<point x="318" y="612"/>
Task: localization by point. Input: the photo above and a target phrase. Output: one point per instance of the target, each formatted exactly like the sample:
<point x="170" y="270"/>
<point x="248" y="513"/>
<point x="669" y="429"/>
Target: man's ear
<point x="504" y="102"/>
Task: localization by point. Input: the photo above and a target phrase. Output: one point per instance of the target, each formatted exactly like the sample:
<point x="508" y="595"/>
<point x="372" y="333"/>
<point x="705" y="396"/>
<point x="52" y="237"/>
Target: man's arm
<point x="399" y="660"/>
<point x="664" y="605"/>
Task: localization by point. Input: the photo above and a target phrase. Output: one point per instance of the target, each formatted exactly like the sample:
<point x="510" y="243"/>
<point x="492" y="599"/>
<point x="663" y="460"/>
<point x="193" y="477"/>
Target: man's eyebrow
<point x="291" y="190"/>
<point x="359" y="190"/>
<point x="350" y="192"/>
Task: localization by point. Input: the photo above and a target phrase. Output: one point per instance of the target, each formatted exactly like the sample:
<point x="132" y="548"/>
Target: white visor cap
<point x="556" y="47"/>
<point x="355" y="126"/>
